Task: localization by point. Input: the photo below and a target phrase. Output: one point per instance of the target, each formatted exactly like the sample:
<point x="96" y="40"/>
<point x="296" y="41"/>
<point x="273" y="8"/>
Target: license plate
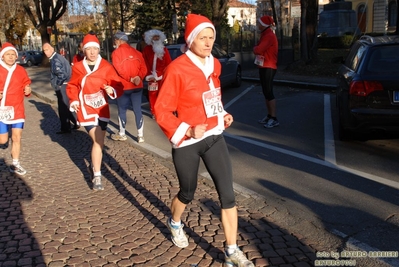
<point x="396" y="96"/>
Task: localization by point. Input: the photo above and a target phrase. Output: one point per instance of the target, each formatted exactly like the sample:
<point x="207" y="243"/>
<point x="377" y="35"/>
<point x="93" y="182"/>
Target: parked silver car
<point x="30" y="58"/>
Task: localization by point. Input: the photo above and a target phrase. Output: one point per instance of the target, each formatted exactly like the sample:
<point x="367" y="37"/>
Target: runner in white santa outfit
<point x="157" y="58"/>
<point x="14" y="86"/>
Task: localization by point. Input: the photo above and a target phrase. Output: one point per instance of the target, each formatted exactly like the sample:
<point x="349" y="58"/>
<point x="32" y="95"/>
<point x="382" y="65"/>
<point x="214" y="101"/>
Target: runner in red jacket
<point x="130" y="65"/>
<point x="14" y="86"/>
<point x="93" y="81"/>
<point x="190" y="112"/>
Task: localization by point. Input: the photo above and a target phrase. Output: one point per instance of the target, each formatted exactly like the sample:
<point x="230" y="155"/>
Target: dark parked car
<point x="231" y="68"/>
<point x="368" y="87"/>
<point x="30" y="58"/>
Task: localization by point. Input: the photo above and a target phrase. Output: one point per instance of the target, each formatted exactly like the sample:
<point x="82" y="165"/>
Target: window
<point x="356" y="53"/>
<point x="384" y="59"/>
<point x="392" y="13"/>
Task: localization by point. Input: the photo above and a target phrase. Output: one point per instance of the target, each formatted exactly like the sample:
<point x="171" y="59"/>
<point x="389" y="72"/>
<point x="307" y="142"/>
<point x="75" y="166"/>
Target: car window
<point x="174" y="52"/>
<point x="355" y="55"/>
<point x="384" y="59"/>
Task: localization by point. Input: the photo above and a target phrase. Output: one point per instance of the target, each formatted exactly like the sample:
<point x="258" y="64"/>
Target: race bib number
<point x="152" y="86"/>
<point x="213" y="102"/>
<point x="95" y="100"/>
<point x="259" y="60"/>
<point x="6" y="113"/>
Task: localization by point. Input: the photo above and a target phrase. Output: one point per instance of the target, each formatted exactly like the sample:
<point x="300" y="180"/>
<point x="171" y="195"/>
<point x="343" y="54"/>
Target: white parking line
<point x="226" y="106"/>
<point x="329" y="142"/>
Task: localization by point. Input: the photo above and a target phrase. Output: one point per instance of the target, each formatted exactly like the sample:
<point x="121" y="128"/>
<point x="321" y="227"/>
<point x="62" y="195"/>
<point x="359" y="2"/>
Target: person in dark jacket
<point x="60" y="75"/>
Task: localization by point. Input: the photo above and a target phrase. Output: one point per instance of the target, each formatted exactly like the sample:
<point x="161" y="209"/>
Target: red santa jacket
<point x="268" y="48"/>
<point x="86" y="88"/>
<point x="76" y="58"/>
<point x="129" y="63"/>
<point x="159" y="65"/>
<point x="12" y="83"/>
<point x="181" y="105"/>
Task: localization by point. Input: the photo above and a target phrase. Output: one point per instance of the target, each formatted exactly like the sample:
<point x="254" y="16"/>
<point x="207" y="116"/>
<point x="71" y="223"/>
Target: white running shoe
<point x="179" y="238"/>
<point x="237" y="259"/>
<point x="118" y="137"/>
<point x="17" y="169"/>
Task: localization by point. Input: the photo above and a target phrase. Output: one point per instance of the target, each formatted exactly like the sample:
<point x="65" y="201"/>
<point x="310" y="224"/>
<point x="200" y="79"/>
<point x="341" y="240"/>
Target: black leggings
<point x="266" y="76"/>
<point x="214" y="154"/>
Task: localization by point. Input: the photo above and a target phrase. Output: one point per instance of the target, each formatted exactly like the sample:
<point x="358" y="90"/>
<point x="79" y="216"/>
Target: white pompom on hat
<point x="90" y="40"/>
<point x="7" y="47"/>
<point x="194" y="25"/>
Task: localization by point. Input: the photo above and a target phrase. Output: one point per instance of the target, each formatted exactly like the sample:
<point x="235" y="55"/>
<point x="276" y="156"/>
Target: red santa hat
<point x="194" y="25"/>
<point x="7" y="47"/>
<point x="266" y="21"/>
<point x="90" y="40"/>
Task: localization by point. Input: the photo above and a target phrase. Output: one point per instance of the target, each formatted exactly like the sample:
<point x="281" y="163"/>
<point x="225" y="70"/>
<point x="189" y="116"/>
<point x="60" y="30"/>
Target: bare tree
<point x="397" y="18"/>
<point x="11" y="21"/>
<point x="309" y="9"/>
<point x="47" y="12"/>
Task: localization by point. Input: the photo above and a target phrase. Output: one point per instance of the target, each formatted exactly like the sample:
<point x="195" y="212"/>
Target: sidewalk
<point x="285" y="78"/>
<point x="51" y="217"/>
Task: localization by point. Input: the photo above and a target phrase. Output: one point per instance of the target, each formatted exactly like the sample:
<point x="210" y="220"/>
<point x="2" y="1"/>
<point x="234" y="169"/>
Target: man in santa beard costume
<point x="157" y="58"/>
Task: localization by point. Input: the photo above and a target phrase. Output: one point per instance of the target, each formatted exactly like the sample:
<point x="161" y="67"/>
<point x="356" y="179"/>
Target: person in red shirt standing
<point x="14" y="85"/>
<point x="266" y="52"/>
<point x="130" y="65"/>
<point x="157" y="58"/>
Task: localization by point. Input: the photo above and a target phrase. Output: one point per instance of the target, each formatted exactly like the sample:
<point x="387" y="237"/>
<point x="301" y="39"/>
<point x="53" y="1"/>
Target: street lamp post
<point x="29" y="40"/>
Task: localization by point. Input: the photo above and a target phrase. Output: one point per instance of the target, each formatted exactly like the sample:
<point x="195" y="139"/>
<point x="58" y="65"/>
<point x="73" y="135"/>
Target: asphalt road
<point x="338" y="195"/>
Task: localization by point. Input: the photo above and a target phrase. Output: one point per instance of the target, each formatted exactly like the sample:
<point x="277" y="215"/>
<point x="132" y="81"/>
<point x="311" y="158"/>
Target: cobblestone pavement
<point x="52" y="217"/>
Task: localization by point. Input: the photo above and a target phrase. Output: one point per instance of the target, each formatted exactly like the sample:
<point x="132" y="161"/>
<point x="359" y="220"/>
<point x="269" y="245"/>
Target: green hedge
<point x="344" y="41"/>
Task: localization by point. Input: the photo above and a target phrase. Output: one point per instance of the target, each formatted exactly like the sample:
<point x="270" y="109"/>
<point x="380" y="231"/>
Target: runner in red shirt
<point x="14" y="86"/>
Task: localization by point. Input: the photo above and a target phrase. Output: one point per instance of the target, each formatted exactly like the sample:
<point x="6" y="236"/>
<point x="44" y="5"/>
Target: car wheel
<point x="343" y="134"/>
<point x="238" y="79"/>
<point x="29" y="63"/>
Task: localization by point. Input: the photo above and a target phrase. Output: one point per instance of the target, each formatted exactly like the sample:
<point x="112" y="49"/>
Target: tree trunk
<point x="303" y="39"/>
<point x="397" y="18"/>
<point x="309" y="9"/>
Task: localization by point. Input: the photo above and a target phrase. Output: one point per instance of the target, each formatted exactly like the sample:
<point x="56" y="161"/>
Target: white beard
<point x="158" y="48"/>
